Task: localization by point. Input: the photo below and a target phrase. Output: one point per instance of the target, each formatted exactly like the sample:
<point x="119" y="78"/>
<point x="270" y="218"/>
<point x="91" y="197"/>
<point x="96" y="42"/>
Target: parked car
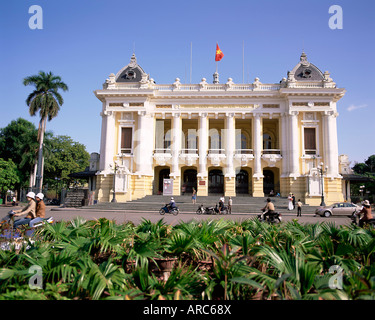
<point x="339" y="208"/>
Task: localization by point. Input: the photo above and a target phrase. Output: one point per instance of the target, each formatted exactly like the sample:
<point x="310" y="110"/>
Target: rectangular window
<point x="310" y="140"/>
<point x="126" y="140"/>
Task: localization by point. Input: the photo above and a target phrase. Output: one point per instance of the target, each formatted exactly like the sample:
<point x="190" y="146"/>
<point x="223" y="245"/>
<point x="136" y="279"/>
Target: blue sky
<point x="84" y="41"/>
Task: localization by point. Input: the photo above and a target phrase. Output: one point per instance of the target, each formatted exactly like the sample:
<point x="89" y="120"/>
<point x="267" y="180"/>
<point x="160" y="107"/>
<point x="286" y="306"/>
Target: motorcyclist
<point x="269" y="209"/>
<point x="29" y="210"/>
<point x="172" y="204"/>
<point x="366" y="211"/>
<point x="40" y="209"/>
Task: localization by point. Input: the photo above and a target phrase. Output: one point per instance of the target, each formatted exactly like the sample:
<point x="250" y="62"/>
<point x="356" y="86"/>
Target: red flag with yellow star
<point x="219" y="54"/>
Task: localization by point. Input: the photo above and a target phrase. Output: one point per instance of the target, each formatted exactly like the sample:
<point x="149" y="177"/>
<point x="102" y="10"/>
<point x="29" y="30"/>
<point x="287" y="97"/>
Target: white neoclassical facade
<point x="220" y="138"/>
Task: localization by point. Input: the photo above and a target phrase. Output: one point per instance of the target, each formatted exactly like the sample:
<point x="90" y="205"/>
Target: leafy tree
<point x="370" y="162"/>
<point x="360" y="168"/>
<point x="18" y="141"/>
<point x="8" y="176"/>
<point x="47" y="100"/>
<point x="367" y="168"/>
<point x="66" y="156"/>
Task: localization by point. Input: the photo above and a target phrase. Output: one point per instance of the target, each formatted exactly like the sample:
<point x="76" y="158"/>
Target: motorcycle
<point x="275" y="218"/>
<point x="9" y="219"/>
<point x="224" y="210"/>
<point x="355" y="220"/>
<point x="205" y="210"/>
<point x="167" y="209"/>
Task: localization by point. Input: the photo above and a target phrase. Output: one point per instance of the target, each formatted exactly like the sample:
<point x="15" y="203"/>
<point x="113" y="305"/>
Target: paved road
<point x="136" y="216"/>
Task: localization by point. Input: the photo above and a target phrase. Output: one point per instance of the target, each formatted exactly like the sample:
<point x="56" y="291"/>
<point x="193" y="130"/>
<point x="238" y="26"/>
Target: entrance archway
<point x="216" y="181"/>
<point x="189" y="180"/>
<point x="268" y="181"/>
<point x="163" y="174"/>
<point x="242" y="182"/>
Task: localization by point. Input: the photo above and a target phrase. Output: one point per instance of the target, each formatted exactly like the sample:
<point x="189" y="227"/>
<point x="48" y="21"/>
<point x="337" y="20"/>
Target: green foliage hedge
<point x="218" y="260"/>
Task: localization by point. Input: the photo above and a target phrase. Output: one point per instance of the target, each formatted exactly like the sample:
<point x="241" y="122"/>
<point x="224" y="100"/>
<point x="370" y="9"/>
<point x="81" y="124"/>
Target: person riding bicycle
<point x="269" y="209"/>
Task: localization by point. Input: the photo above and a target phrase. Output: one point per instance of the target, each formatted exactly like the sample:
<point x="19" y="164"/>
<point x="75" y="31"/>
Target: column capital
<point x="142" y="113"/>
<point x="106" y="113"/>
<point x="203" y="114"/>
<point x="331" y="113"/>
<point x="293" y="113"/>
<point x="229" y="114"/>
<point x="176" y="115"/>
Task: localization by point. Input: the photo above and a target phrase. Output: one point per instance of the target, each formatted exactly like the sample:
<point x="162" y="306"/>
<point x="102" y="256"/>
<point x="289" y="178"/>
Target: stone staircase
<point x="241" y="204"/>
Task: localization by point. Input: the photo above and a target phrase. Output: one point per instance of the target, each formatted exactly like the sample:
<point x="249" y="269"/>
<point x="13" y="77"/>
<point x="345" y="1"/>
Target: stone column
<point x="330" y="152"/>
<point x="202" y="153"/>
<point x="230" y="141"/>
<point x="293" y="145"/>
<point x="284" y="177"/>
<point x="333" y="183"/>
<point x="257" y="134"/>
<point x="107" y="144"/>
<point x="176" y="149"/>
<point x="258" y="174"/>
<point x="284" y="146"/>
<point x="144" y="138"/>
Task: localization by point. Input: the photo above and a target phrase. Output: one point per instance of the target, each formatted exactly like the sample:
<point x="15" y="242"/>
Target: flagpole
<point x="191" y="60"/>
<point x="243" y="61"/>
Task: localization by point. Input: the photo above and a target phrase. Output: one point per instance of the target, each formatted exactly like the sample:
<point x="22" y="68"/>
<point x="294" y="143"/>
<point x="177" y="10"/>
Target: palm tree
<point x="47" y="100"/>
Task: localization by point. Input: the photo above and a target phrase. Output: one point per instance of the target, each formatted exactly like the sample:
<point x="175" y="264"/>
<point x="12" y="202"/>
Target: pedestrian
<point x="290" y="202"/>
<point x="40" y="210"/>
<point x="194" y="196"/>
<point x="14" y="201"/>
<point x="183" y="189"/>
<point x="29" y="210"/>
<point x="293" y="200"/>
<point x="221" y="203"/>
<point x="230" y="201"/>
<point x="299" y="208"/>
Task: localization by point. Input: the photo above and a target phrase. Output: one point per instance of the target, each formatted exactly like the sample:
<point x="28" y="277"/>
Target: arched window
<point x="167" y="140"/>
<point x="244" y="144"/>
<point x="191" y="141"/>
<point x="214" y="139"/>
<point x="267" y="141"/>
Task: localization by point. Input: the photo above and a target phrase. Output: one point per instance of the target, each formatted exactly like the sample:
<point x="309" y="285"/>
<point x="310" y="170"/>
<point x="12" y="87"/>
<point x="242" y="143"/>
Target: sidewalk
<point x="235" y="210"/>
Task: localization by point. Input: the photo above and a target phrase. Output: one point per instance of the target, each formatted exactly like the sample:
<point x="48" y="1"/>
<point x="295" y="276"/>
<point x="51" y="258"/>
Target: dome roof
<point x="132" y="72"/>
<point x="306" y="71"/>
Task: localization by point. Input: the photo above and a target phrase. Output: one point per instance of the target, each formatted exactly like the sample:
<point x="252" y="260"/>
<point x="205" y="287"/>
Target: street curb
<point x="129" y="211"/>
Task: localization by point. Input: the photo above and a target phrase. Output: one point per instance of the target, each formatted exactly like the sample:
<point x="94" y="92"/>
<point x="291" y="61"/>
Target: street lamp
<point x="115" y="167"/>
<point x="361" y="189"/>
<point x="322" y="171"/>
